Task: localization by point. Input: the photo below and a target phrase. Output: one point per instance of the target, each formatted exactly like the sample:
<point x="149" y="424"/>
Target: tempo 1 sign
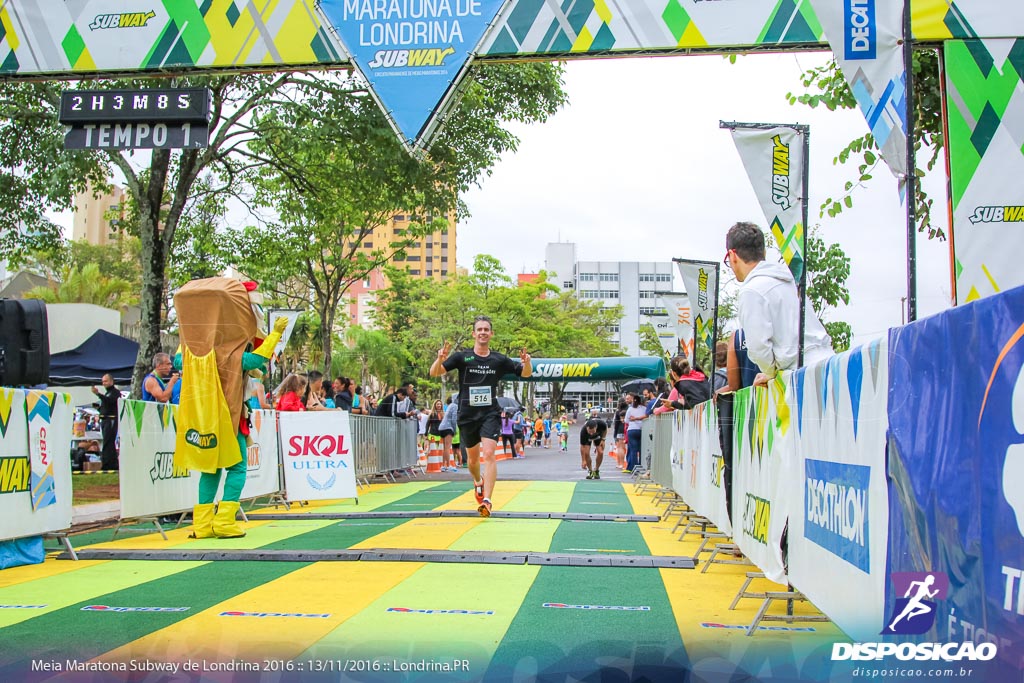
<point x="154" y="118"/>
<point x="137" y="136"/>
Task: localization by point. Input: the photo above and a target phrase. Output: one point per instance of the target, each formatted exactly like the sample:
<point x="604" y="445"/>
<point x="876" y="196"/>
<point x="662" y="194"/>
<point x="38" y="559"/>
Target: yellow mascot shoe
<point x="224" y="524"/>
<point x="202" y="521"/>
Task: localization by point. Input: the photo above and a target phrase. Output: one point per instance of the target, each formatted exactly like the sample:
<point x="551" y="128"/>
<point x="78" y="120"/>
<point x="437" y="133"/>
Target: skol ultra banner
<point x="700" y="278"/>
<point x="35" y="495"/>
<point x="762" y="441"/>
<point x="774" y="161"/>
<point x="839" y="518"/>
<point x="317" y="451"/>
<point x="985" y="101"/>
<point x="412" y="53"/>
<point x="867" y="40"/>
<point x="956" y="464"/>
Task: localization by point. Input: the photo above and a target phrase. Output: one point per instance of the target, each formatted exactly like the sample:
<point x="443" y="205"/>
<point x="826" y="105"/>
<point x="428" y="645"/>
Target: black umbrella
<point x="637" y="385"/>
<point x="510" y="404"/>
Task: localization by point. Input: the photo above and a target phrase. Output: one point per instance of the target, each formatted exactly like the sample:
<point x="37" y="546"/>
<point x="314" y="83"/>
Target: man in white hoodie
<point x="769" y="307"/>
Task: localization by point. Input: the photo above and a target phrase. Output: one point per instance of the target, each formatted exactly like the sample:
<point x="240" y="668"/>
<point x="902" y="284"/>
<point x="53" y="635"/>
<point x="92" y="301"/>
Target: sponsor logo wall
<point x="35" y="470"/>
<point x="152" y="485"/>
<point x="838" y="520"/>
<point x="957" y="492"/>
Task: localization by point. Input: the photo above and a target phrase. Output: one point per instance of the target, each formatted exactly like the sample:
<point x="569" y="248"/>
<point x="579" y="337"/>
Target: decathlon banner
<point x="956" y="465"/>
<point x="762" y="466"/>
<point x="985" y="101"/>
<point x="413" y="54"/>
<point x="665" y="330"/>
<point x="678" y="307"/>
<point x="839" y="519"/>
<point x="697" y="463"/>
<point x="150" y="482"/>
<point x="700" y="278"/>
<point x="35" y="427"/>
<point x="774" y="161"/>
<point x="866" y="37"/>
<point x="318" y="461"/>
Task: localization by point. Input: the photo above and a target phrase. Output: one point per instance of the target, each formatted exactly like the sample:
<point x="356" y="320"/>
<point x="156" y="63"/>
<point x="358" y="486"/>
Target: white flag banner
<point x="286" y="335"/>
<point x="317" y="451"/>
<point x="774" y="161"/>
<point x="866" y="37"/>
<point x="700" y="278"/>
<point x="665" y="330"/>
<point x="678" y="308"/>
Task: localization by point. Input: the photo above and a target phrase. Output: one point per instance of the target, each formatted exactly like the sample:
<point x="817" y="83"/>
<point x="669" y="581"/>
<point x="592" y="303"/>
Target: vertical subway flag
<point x="774" y="161"/>
<point x="678" y="307"/>
<point x="39" y="408"/>
<point x="866" y="38"/>
<point x="701" y="281"/>
<point x="413" y="54"/>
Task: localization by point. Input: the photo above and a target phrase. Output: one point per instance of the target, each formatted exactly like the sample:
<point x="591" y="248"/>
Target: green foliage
<point x="826" y="86"/>
<point x="828" y="268"/>
<point x="650" y="344"/>
<point x="86" y="285"/>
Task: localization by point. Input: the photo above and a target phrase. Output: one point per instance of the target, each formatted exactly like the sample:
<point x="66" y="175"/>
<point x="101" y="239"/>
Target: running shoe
<point x="590" y="475"/>
<point x="478" y="491"/>
<point x="485" y="508"/>
<point x="597" y="474"/>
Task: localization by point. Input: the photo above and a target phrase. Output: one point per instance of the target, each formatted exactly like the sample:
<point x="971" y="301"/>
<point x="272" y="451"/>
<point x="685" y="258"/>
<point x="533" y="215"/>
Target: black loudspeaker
<point x="24" y="343"/>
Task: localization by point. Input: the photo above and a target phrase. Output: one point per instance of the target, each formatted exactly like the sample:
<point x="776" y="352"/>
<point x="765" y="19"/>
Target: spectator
<point x="422" y="418"/>
<point x="154" y="385"/>
<point x="343" y="397"/>
<point x="634" y="419"/>
<point x="720" y="380"/>
<point x="290" y="393"/>
<point x="769" y="307"/>
<point x="359" y="403"/>
<point x="255" y="393"/>
<point x="312" y="397"/>
<point x="447" y="431"/>
<point x="508" y="433"/>
<point x="518" y="433"/>
<point x="691" y="384"/>
<point x="390" y="404"/>
<point x="108" y="420"/>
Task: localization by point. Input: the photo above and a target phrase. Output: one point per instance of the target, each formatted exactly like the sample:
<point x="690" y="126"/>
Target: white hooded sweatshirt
<point x="769" y="311"/>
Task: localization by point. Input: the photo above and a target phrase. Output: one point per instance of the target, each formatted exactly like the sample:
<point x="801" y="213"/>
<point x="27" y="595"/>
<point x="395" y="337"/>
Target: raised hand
<point x="442" y="354"/>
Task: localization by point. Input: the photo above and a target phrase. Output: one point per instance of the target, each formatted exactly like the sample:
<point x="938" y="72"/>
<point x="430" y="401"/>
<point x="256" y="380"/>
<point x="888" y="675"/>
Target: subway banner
<point x="985" y="100"/>
<point x="866" y="37"/>
<point x="35" y="462"/>
<point x="700" y="279"/>
<point x="152" y="485"/>
<point x="774" y="161"/>
<point x="95" y="36"/>
<point x="592" y="369"/>
<point x="839" y="518"/>
<point x="697" y="463"/>
<point x="762" y="449"/>
<point x="319" y="463"/>
<point x="964" y="471"/>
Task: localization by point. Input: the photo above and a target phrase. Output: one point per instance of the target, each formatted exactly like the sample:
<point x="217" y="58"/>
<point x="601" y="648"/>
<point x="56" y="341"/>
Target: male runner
<point x="480" y="370"/>
<point x="593" y="434"/>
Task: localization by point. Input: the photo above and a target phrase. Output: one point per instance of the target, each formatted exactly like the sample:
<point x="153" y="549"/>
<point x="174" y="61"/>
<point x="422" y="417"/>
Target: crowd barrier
<point x="35" y="470"/>
<point x="904" y="455"/>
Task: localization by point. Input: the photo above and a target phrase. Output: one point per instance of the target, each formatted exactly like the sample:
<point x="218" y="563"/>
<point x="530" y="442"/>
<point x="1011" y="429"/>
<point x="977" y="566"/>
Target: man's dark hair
<point x="721" y="353"/>
<point x="483" y="318"/>
<point x="401" y="391"/>
<point x="747" y="240"/>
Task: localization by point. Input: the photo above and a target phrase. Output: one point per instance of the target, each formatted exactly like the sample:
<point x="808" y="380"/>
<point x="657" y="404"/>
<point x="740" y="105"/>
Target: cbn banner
<point x="839" y="520"/>
<point x="866" y="37"/>
<point x="774" y="161"/>
<point x="665" y="329"/>
<point x="984" y="98"/>
<point x="318" y="459"/>
<point x="150" y="482"/>
<point x="957" y="480"/>
<point x="35" y="427"/>
<point x="762" y="450"/>
<point x="697" y="464"/>
<point x="700" y="278"/>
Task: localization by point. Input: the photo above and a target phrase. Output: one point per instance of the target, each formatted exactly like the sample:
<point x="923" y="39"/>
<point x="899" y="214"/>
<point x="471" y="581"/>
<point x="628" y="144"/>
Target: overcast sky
<point x="636" y="168"/>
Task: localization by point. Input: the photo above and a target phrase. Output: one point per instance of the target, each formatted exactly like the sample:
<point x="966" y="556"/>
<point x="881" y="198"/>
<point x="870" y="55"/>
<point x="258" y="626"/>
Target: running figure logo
<point x="914" y="613"/>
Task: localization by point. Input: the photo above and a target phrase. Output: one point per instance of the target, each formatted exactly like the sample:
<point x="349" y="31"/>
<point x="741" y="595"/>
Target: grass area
<point x="92" y="488"/>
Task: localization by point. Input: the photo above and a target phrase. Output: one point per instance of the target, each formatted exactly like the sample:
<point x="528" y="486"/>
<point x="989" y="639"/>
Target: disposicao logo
<point x="122" y="20"/>
<point x="860" y="34"/>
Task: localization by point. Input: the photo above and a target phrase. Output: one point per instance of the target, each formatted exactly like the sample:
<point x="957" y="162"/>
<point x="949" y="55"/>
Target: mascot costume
<point x="217" y="319"/>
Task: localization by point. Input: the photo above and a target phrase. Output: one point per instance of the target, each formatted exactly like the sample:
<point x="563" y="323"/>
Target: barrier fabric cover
<point x="697" y="464"/>
<point x="839" y="517"/>
<point x="956" y="464"/>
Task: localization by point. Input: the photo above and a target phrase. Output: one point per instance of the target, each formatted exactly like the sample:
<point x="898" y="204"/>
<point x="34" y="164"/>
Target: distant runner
<point x="480" y="370"/>
<point x="593" y="434"/>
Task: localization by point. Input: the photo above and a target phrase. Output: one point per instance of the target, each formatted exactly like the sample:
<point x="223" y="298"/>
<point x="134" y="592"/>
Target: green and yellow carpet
<point x="151" y="619"/>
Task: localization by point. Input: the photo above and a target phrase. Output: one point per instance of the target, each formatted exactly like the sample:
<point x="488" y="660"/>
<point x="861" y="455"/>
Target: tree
<point x="827" y="87"/>
<point x="828" y="268"/>
<point x="85" y="286"/>
<point x="650" y="344"/>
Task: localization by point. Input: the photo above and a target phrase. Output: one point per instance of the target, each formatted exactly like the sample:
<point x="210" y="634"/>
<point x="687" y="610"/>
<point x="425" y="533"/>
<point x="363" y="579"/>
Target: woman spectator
<point x="290" y="393"/>
<point x="634" y="419"/>
<point x="690" y="384"/>
<point x="447" y="430"/>
<point x="619" y="429"/>
<point x="343" y="398"/>
<point x="312" y="397"/>
<point x="433" y="427"/>
<point x="255" y="394"/>
<point x="507" y="433"/>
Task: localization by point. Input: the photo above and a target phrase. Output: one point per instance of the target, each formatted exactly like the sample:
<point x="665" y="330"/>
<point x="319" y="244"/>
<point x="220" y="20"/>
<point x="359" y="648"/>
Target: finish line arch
<point x="610" y="369"/>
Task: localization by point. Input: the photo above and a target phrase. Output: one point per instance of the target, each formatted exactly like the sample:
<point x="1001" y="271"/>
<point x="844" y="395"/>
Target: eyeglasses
<point x="727" y="259"/>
